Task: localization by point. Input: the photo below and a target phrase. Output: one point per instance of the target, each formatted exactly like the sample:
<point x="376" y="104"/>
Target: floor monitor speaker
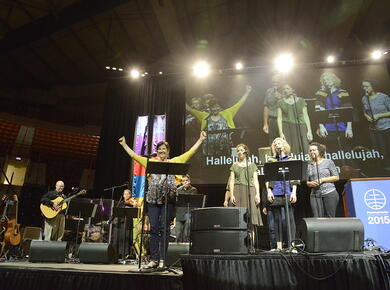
<point x="332" y="234"/>
<point x="97" y="253"/>
<point x="47" y="251"/>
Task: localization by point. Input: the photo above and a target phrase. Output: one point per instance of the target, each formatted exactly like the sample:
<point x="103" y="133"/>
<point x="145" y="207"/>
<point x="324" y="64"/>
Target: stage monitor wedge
<point x="322" y="235"/>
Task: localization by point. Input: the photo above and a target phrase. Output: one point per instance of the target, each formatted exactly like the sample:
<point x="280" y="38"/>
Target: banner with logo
<point x="368" y="200"/>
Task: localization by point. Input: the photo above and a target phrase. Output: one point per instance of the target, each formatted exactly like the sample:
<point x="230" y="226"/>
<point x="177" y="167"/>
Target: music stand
<point x="283" y="171"/>
<point x="335" y="116"/>
<point x="80" y="210"/>
<point x="128" y="213"/>
<point x="165" y="168"/>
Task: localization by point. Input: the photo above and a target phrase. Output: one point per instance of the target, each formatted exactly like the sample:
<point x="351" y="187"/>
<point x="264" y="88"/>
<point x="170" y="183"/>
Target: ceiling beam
<point x="51" y="23"/>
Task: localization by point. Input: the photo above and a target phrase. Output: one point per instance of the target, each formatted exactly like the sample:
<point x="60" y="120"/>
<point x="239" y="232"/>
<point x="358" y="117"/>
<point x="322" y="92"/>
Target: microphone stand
<point x="319" y="185"/>
<point x="249" y="217"/>
<point x="283" y="171"/>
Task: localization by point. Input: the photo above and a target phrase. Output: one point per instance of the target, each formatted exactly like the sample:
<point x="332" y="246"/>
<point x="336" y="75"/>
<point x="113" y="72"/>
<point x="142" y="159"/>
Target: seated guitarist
<point x="55" y="227"/>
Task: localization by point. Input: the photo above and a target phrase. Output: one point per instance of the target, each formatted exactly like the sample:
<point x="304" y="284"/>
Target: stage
<point x="270" y="270"/>
<point x="265" y="270"/>
<point x="67" y="276"/>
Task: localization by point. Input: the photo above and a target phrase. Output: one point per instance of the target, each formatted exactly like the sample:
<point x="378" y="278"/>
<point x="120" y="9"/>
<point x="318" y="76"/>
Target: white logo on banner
<point x="375" y="199"/>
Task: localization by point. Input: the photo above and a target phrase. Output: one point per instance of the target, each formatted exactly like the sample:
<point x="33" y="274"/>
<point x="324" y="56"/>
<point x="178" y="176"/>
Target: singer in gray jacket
<point x="321" y="175"/>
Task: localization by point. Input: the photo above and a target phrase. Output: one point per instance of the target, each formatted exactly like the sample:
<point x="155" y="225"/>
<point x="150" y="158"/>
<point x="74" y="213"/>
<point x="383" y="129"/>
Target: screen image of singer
<point x="357" y="156"/>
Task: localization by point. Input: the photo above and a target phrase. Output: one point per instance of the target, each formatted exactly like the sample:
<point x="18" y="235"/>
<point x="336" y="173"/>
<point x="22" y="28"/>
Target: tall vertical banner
<point x="141" y="148"/>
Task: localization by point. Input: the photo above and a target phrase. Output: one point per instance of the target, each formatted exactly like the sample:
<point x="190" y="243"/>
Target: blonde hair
<point x="286" y="146"/>
<point x="336" y="79"/>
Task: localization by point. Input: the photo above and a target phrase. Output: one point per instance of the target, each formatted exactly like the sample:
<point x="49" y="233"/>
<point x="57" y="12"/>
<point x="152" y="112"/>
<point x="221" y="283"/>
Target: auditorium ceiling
<point x="53" y="53"/>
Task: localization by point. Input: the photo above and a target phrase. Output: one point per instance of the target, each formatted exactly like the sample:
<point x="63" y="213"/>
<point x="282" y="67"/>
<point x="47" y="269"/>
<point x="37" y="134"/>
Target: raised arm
<point x="141" y="160"/>
<point x="187" y="155"/>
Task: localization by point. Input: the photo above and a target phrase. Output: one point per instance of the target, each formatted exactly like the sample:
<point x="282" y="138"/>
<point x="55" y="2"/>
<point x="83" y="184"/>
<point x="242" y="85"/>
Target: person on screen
<point x="183" y="214"/>
<point x="272" y="97"/>
<point x="376" y="107"/>
<point x="161" y="186"/>
<point x="243" y="173"/>
<point x="276" y="193"/>
<point x="293" y="121"/>
<point x="218" y="119"/>
<point x="332" y="96"/>
<point x="321" y="175"/>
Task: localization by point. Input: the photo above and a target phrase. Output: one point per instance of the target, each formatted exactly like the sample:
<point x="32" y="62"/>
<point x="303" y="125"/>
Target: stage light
<point x="145" y="73"/>
<point x="284" y="63"/>
<point x="330" y="59"/>
<point x="120" y="69"/>
<point x="201" y="69"/>
<point x="107" y="67"/>
<point x="160" y="73"/>
<point x="113" y="68"/>
<point x="376" y="54"/>
<point x="134" y="73"/>
<point x="239" y="66"/>
<point x="18" y="158"/>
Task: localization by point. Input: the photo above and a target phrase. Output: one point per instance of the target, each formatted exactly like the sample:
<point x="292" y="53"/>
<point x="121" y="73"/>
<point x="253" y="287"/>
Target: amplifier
<point x="219" y="242"/>
<point x="219" y="218"/>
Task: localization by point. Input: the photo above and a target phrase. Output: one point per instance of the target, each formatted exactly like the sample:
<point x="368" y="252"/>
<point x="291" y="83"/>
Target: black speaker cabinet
<point x="97" y="253"/>
<point x="45" y="251"/>
<point x="332" y="234"/>
<point x="174" y="252"/>
<point x="219" y="218"/>
<point x="218" y="242"/>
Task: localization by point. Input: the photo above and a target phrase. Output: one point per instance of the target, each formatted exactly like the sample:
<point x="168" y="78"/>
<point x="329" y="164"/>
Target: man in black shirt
<point x="55" y="227"/>
<point x="183" y="216"/>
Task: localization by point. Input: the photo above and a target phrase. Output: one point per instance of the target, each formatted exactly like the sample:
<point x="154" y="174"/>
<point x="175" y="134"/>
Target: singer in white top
<point x="242" y="173"/>
<point x="321" y="175"/>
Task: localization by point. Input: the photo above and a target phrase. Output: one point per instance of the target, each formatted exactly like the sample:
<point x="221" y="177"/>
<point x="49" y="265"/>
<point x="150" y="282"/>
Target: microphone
<point x="315" y="156"/>
<point x="180" y="187"/>
<point x="74" y="188"/>
<point x="245" y="153"/>
<point x="150" y="155"/>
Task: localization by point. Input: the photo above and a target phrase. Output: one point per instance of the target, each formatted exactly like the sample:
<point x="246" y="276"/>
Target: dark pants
<point x="324" y="205"/>
<point x="157" y="222"/>
<point x="380" y="140"/>
<point x="277" y="224"/>
<point x="183" y="230"/>
<point x="272" y="129"/>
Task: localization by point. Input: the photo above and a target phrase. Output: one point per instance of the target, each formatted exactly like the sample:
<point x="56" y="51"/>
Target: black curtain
<point x="125" y="101"/>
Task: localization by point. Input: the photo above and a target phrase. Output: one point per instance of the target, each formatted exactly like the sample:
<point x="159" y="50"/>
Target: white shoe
<point x="151" y="265"/>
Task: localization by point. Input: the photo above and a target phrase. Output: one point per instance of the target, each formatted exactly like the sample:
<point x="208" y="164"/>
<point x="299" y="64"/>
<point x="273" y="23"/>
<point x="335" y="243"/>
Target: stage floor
<point x="78" y="267"/>
<point x="265" y="270"/>
<point x="67" y="276"/>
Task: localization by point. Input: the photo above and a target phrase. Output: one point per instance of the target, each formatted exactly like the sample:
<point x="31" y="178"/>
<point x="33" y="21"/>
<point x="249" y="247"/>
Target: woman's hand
<point x="257" y="199"/>
<point x="122" y="140"/>
<point x="309" y="136"/>
<point x="233" y="200"/>
<point x="225" y="203"/>
<point x="293" y="197"/>
<point x="348" y="133"/>
<point x="312" y="183"/>
<point x="281" y="135"/>
<point x="203" y="136"/>
<point x="270" y="197"/>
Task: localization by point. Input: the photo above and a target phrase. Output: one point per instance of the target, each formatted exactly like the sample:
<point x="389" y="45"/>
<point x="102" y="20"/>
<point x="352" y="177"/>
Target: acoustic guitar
<point x="50" y="212"/>
<point x="12" y="235"/>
